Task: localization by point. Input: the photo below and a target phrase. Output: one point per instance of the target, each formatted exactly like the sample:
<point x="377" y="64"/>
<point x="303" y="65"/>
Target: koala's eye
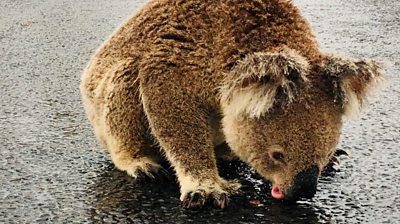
<point x="278" y="156"/>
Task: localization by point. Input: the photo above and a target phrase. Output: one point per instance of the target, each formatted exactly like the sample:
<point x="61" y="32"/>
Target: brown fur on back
<point x="204" y="39"/>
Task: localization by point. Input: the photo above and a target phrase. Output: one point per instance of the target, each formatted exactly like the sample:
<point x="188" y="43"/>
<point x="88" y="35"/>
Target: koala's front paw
<point x="214" y="194"/>
<point x="197" y="199"/>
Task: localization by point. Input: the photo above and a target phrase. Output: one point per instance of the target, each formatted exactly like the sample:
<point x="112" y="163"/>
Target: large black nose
<point x="305" y="184"/>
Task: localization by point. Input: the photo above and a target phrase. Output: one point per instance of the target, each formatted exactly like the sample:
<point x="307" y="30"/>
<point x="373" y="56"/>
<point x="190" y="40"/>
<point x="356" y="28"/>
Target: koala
<point x="182" y="77"/>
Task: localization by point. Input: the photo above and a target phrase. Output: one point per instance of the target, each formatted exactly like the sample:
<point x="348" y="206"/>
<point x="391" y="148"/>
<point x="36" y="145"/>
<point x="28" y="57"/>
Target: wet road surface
<point x="53" y="170"/>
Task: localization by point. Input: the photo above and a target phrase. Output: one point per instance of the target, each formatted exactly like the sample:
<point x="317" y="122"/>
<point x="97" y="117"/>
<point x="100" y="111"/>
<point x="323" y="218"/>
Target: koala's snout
<point x="304" y="184"/>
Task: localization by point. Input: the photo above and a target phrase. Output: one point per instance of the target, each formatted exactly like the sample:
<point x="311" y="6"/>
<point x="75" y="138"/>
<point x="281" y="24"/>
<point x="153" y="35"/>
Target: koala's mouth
<point x="304" y="186"/>
<point x="276" y="192"/>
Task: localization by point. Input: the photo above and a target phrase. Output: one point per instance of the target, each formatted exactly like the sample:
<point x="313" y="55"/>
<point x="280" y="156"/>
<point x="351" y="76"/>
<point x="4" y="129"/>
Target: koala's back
<point x="194" y="43"/>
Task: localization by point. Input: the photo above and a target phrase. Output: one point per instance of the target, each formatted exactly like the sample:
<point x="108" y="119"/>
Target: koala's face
<point x="283" y="114"/>
<point x="289" y="148"/>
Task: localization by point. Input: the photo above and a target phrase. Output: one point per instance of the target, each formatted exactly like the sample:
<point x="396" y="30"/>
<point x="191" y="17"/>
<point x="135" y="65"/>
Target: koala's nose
<point x="305" y="184"/>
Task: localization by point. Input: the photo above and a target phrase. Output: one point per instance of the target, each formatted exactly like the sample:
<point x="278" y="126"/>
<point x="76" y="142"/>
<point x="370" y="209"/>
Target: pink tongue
<point x="276" y="193"/>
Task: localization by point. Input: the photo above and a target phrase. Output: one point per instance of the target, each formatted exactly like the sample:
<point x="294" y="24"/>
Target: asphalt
<point x="53" y="170"/>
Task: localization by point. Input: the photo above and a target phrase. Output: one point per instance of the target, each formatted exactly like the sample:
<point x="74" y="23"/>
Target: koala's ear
<point x="260" y="80"/>
<point x="352" y="81"/>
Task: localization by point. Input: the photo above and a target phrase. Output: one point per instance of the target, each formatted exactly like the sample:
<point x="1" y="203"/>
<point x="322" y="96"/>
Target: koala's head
<point x="283" y="114"/>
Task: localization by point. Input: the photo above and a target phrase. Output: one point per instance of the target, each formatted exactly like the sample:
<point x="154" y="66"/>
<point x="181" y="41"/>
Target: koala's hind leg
<point x="117" y="116"/>
<point x="181" y="125"/>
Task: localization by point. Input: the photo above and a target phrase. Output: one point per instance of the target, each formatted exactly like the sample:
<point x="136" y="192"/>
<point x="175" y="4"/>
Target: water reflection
<point x="115" y="197"/>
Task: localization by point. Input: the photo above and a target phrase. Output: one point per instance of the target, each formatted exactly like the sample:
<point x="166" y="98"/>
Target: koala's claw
<point x="198" y="199"/>
<point x="149" y="172"/>
<point x="157" y="173"/>
<point x="334" y="161"/>
<point x="340" y="152"/>
<point x="219" y="201"/>
<point x="194" y="200"/>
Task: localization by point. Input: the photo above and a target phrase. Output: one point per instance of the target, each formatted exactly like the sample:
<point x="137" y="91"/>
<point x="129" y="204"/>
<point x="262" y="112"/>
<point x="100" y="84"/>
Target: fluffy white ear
<point x="353" y="81"/>
<point x="261" y="80"/>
